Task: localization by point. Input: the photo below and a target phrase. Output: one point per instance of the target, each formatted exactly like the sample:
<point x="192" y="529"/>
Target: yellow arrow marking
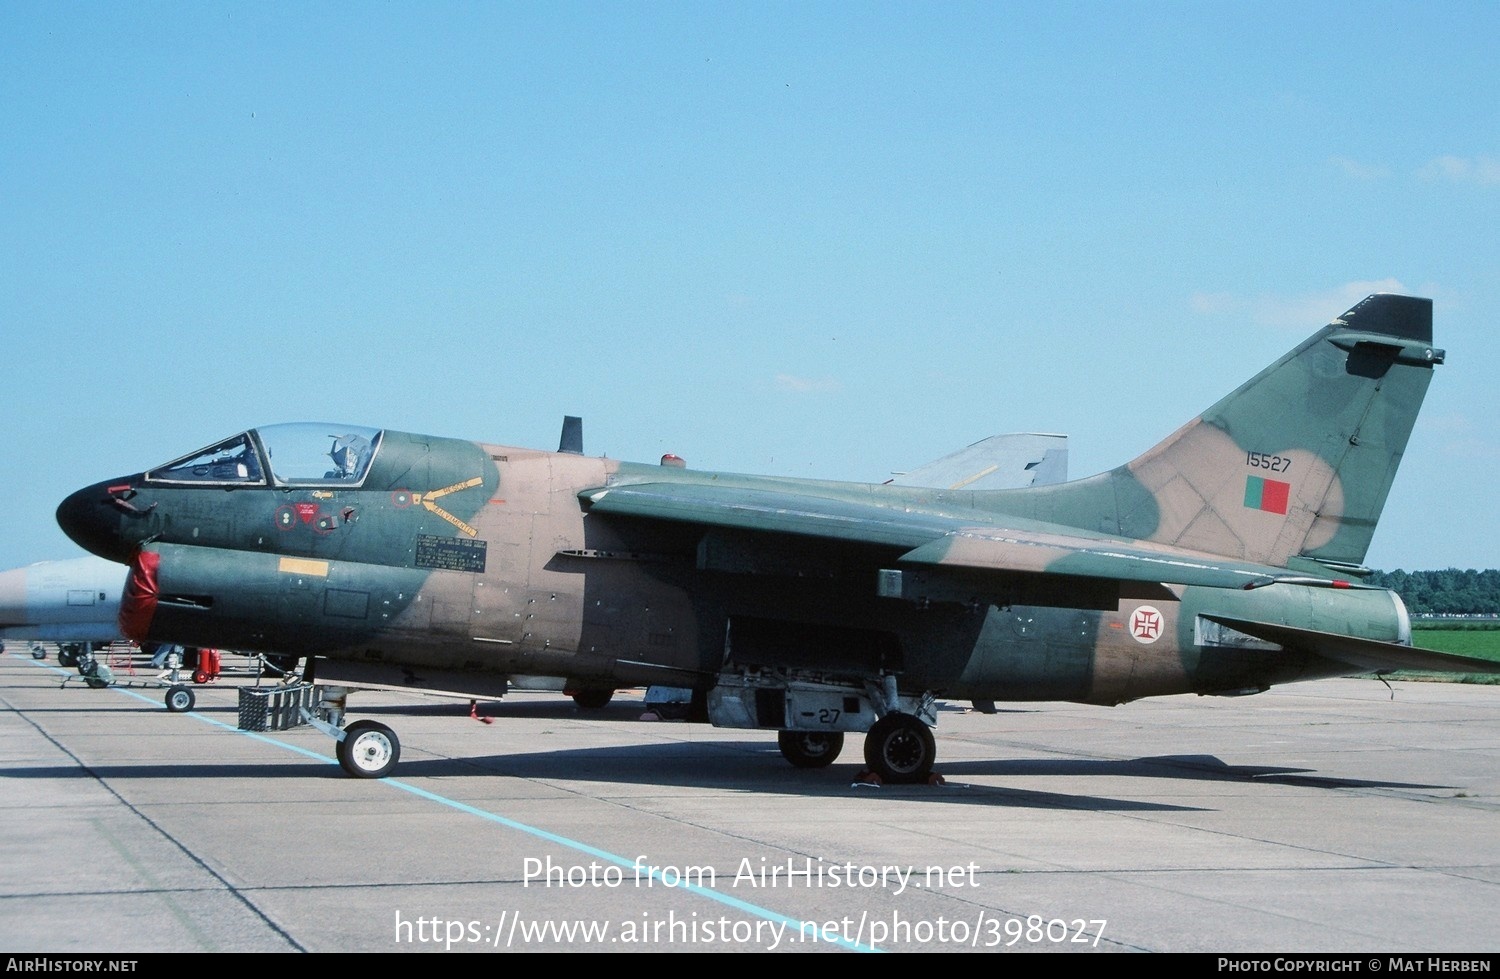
<point x="451" y="518"/>
<point x="426" y="500"/>
<point x="447" y="489"/>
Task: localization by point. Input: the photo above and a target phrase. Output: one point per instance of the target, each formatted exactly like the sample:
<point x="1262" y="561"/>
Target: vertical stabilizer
<point x="1297" y="462"/>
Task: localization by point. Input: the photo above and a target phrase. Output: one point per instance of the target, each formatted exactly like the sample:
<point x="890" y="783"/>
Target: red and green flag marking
<point x="1269" y="495"/>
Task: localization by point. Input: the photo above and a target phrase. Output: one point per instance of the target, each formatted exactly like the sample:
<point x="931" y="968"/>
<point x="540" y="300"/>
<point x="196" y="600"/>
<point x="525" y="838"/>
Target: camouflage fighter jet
<point x="1222" y="561"/>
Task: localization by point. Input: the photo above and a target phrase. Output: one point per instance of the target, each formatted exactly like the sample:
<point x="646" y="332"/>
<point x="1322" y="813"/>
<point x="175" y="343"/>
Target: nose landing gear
<point x="368" y="749"/>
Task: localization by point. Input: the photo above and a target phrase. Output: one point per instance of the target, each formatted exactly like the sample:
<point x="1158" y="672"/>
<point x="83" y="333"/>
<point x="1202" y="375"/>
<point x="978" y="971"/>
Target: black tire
<point x="368" y="749"/>
<point x="810" y="749"/>
<point x="66" y="657"/>
<point x="900" y="749"/>
<point x="593" y="699"/>
<point x="180" y="699"/>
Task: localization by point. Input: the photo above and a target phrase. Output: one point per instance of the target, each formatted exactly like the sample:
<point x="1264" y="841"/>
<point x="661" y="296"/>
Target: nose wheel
<point x="180" y="699"/>
<point x="368" y="749"/>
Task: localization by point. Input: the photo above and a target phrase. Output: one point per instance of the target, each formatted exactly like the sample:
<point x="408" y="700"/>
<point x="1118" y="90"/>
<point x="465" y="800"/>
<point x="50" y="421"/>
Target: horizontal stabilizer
<point x="1371" y="655"/>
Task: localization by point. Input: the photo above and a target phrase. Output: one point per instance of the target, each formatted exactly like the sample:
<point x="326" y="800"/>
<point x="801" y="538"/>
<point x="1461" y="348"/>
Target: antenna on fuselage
<point x="572" y="435"/>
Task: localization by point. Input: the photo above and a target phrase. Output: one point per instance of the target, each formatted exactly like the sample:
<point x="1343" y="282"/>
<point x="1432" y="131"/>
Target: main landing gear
<point x="899" y="748"/>
<point x="595" y="698"/>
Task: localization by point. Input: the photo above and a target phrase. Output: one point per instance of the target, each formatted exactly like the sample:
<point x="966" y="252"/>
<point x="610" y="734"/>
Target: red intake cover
<point x="138" y="603"/>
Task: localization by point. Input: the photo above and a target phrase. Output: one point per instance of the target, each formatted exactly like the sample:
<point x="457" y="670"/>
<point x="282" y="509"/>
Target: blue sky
<point x="810" y="239"/>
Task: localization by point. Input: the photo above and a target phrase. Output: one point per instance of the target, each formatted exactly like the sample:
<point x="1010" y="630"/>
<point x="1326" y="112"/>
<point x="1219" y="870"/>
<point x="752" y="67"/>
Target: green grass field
<point x="1465" y="642"/>
<point x="1483" y="642"/>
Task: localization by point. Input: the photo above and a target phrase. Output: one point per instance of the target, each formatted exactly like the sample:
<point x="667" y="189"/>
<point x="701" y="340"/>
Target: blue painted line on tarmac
<point x="655" y="873"/>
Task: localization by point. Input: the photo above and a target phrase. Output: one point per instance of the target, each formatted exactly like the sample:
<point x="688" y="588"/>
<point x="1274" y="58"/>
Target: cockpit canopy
<point x="295" y="454"/>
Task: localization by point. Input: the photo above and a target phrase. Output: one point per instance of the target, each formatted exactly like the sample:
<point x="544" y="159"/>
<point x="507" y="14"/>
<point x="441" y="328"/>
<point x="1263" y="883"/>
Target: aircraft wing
<point x="1365" y="654"/>
<point x="773" y="511"/>
<point x="931" y="537"/>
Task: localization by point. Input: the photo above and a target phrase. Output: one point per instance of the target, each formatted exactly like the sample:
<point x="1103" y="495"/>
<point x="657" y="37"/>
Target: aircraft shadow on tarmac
<point x="629" y="765"/>
<point x="660" y="763"/>
<point x="733" y="765"/>
<point x="741" y="766"/>
<point x="1179" y="767"/>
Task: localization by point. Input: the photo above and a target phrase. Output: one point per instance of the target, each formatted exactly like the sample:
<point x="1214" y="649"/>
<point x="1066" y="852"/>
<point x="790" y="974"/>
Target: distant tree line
<point x="1446" y="592"/>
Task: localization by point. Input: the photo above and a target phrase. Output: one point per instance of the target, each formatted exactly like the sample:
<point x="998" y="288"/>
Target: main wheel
<point x="368" y="750"/>
<point x="67" y="656"/>
<point x="593" y="699"/>
<point x="810" y="749"/>
<point x="900" y="748"/>
<point x="180" y="699"/>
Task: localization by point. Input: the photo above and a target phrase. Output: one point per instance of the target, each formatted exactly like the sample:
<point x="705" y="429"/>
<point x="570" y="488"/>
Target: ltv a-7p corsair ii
<point x="1222" y="561"/>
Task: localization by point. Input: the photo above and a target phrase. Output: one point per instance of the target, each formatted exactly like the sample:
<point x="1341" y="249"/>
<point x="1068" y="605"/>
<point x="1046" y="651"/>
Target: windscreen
<point x="324" y="454"/>
<point x="230" y="461"/>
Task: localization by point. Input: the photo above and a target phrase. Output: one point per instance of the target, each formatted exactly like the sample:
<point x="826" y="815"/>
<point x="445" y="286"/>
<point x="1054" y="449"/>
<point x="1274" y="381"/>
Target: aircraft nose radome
<point x="88" y="517"/>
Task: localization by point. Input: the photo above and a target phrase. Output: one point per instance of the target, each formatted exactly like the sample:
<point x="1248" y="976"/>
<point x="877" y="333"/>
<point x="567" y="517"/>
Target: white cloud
<point x="1213" y="303"/>
<point x="1319" y="308"/>
<point x="1461" y="436"/>
<point x="1482" y="170"/>
<point x="1358" y="170"/>
<point x="1472" y="449"/>
<point x="1298" y="313"/>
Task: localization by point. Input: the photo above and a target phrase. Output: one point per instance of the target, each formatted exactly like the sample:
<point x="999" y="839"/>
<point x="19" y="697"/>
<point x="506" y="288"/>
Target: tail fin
<point x="1295" y="463"/>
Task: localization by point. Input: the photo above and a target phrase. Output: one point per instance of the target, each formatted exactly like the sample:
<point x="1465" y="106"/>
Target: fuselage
<point x="75" y="600"/>
<point x="422" y="552"/>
